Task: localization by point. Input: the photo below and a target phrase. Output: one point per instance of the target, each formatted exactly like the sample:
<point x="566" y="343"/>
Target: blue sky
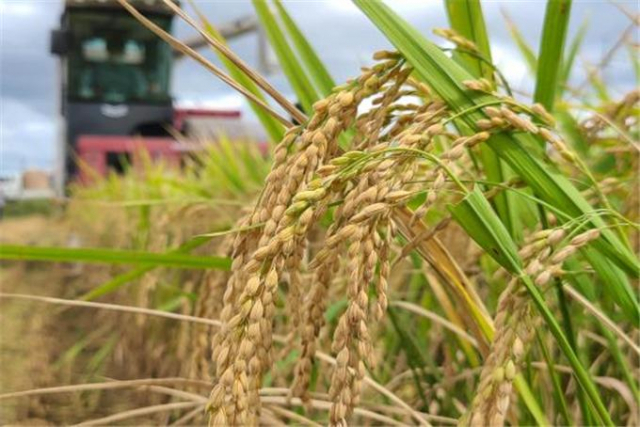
<point x="342" y="36"/>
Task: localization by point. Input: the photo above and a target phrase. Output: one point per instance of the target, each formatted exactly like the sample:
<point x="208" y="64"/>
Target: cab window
<point x="116" y="60"/>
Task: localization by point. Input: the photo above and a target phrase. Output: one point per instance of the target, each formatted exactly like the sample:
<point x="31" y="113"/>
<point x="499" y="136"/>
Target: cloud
<point x="28" y="138"/>
<point x="511" y="64"/>
<point x="231" y="100"/>
<point x="17" y="9"/>
<point x="349" y="8"/>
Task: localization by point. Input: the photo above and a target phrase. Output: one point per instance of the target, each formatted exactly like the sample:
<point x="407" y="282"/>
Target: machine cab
<point x="114" y="73"/>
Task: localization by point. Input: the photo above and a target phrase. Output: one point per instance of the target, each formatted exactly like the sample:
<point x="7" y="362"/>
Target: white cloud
<point x="17" y="9"/>
<point x="27" y="138"/>
<point x="231" y="101"/>
<point x="512" y="66"/>
<point x="400" y="6"/>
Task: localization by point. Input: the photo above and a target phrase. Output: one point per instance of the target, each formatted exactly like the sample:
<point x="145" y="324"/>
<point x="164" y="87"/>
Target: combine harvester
<point x="115" y="90"/>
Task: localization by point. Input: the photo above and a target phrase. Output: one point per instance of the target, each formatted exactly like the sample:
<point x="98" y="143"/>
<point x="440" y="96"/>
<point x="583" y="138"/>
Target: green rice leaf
<point x="617" y="287"/>
<point x="593" y="75"/>
<point x="124" y="278"/>
<point x="475" y="215"/>
<point x="527" y="52"/>
<point x="274" y="129"/>
<point x="317" y="72"/>
<point x="112" y="256"/>
<point x="635" y="60"/>
<point x="314" y="65"/>
<point x="467" y="19"/>
<point x="530" y="401"/>
<point x="621" y="361"/>
<point x="570" y="58"/>
<point x="558" y="393"/>
<point x="556" y="22"/>
<point x="571" y="131"/>
<point x="292" y="68"/>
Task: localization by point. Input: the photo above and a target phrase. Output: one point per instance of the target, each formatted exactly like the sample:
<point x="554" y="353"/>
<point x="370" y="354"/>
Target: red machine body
<point x="100" y="154"/>
<point x="95" y="153"/>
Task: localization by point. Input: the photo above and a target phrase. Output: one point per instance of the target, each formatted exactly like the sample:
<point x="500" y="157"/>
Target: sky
<point x="341" y="35"/>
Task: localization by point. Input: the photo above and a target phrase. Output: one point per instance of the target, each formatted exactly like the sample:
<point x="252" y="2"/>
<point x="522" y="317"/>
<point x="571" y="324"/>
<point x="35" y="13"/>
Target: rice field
<point x="422" y="245"/>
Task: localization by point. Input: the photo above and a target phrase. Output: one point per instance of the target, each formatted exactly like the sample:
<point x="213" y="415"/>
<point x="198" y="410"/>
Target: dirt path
<point x="23" y="341"/>
<point x="27" y="340"/>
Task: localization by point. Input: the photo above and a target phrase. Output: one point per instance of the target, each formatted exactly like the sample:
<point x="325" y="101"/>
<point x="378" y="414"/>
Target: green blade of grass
<point x="572" y="52"/>
<point x="571" y="131"/>
<point x="116" y="283"/>
<point x="317" y="72"/>
<point x="124" y="278"/>
<point x="554" y="33"/>
<point x="467" y="19"/>
<point x="112" y="256"/>
<point x="96" y="363"/>
<point x="70" y="354"/>
<point x="530" y="400"/>
<point x="491" y="236"/>
<point x="567" y="324"/>
<point x="635" y="60"/>
<point x="527" y="52"/>
<point x="558" y="393"/>
<point x="517" y="149"/>
<point x="300" y="82"/>
<point x="617" y="287"/>
<point x="314" y="65"/>
<point x="274" y="129"/>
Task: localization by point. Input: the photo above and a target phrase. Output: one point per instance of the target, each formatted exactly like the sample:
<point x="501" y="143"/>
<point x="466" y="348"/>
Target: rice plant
<point x="425" y="247"/>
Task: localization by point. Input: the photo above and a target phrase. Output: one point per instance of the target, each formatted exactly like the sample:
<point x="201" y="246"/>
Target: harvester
<point x="115" y="80"/>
